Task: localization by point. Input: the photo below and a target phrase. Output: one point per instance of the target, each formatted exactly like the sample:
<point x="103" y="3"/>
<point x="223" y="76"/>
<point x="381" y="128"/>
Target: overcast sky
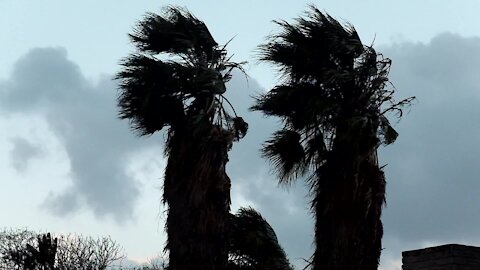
<point x="67" y="164"/>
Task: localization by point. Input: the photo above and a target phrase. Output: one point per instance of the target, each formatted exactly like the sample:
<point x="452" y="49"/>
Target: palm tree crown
<point x="178" y="75"/>
<point x="329" y="77"/>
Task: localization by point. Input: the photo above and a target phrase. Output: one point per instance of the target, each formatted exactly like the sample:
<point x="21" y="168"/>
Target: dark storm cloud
<point x="23" y="151"/>
<point x="433" y="169"/>
<point x="64" y="203"/>
<point x="83" y="117"/>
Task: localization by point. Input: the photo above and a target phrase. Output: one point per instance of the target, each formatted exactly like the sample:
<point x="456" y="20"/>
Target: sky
<point x="67" y="164"/>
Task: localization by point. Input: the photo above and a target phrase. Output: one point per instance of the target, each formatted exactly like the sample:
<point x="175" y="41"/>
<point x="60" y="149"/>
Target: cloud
<point x="432" y="173"/>
<point x="82" y="115"/>
<point x="23" y="151"/>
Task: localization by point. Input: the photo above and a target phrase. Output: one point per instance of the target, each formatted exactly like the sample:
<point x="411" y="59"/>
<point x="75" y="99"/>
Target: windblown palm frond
<point x="315" y="47"/>
<point x="177" y="32"/>
<point x="330" y="77"/>
<point x="254" y="244"/>
<point x="177" y="76"/>
<point x="286" y="152"/>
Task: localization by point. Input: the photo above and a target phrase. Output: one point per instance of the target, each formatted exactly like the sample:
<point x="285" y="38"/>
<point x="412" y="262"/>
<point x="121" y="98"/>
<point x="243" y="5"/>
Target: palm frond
<point x="287" y="154"/>
<point x="177" y="31"/>
<point x="186" y="82"/>
<point x="316" y="149"/>
<point x="312" y="46"/>
<point x="299" y="104"/>
<point x="330" y="78"/>
<point x="254" y="244"/>
<point x="151" y="98"/>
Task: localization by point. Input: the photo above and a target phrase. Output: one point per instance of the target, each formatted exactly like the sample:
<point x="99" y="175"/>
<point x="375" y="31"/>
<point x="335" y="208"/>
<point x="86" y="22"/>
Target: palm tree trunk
<point x="197" y="191"/>
<point x="348" y="204"/>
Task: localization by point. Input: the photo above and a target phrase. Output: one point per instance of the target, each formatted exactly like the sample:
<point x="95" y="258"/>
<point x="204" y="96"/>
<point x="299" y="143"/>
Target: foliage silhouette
<point x="23" y="249"/>
<point x="41" y="257"/>
<point x="333" y="100"/>
<point x="253" y="243"/>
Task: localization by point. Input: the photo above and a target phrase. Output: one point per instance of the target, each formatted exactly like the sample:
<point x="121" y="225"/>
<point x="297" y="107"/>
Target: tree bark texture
<point x="197" y="192"/>
<point x="348" y="204"/>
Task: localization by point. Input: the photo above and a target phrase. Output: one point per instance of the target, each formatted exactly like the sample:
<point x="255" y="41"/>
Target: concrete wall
<point x="446" y="257"/>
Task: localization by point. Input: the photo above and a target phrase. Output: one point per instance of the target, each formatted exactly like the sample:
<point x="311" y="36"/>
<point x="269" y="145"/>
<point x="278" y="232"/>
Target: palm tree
<point x="253" y="244"/>
<point x="176" y="81"/>
<point x="333" y="102"/>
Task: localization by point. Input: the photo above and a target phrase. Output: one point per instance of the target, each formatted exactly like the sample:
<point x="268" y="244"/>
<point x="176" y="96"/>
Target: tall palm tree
<point x="333" y="102"/>
<point x="176" y="80"/>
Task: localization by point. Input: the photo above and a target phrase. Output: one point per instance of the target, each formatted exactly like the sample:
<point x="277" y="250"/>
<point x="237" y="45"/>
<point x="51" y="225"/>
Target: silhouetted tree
<point x="85" y="253"/>
<point x="26" y="250"/>
<point x="41" y="257"/>
<point x="176" y="80"/>
<point x="333" y="102"/>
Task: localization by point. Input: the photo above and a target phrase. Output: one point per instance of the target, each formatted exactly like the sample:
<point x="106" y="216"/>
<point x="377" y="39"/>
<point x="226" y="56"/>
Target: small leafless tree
<point x="85" y="253"/>
<point x="24" y="249"/>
